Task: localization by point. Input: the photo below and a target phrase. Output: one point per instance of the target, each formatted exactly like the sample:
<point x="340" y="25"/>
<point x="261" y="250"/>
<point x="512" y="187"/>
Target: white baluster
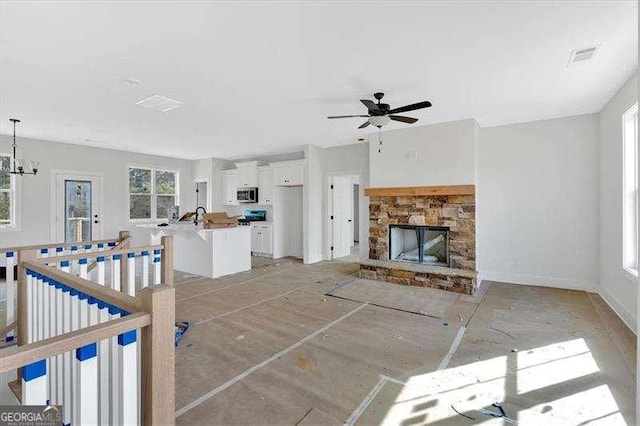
<point x="74" y="263"/>
<point x="59" y="364"/>
<point x="66" y="374"/>
<point x="157" y="264"/>
<point x="104" y="361"/>
<point x="86" y="385"/>
<point x="115" y="272"/>
<point x="53" y="331"/>
<point x="114" y="370"/>
<point x="131" y="269"/>
<point x="40" y="307"/>
<point x="100" y="262"/>
<point x="11" y="293"/>
<point x="145" y="269"/>
<point x="128" y="348"/>
<point x="34" y="383"/>
<point x="84" y="270"/>
<point x="75" y="325"/>
<point x="44" y="252"/>
<point x="30" y="307"/>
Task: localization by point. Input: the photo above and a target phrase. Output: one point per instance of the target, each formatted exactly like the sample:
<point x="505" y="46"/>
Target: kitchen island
<point x="208" y="252"/>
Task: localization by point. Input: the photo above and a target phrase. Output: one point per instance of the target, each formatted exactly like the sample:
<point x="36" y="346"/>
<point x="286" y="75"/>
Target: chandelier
<point x="21" y="166"/>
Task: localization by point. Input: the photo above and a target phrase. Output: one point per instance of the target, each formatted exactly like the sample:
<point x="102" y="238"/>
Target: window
<point x="630" y="190"/>
<point x="151" y="193"/>
<point x="7" y="193"/>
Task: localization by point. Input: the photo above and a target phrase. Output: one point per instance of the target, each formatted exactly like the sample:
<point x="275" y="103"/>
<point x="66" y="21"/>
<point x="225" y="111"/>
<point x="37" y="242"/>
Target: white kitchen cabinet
<point x="230" y="184"/>
<point x="261" y="241"/>
<point x="289" y="173"/>
<point x="265" y="186"/>
<point x="247" y="177"/>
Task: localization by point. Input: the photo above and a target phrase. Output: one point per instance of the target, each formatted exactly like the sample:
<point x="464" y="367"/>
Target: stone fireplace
<point x="423" y="236"/>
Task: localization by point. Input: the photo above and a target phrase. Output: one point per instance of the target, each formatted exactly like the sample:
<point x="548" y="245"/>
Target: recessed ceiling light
<point x="581" y="55"/>
<point x="159" y="103"/>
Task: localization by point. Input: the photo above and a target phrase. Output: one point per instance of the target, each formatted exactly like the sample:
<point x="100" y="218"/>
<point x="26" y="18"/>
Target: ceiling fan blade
<point x="403" y="119"/>
<point x="363" y="125"/>
<point x="412" y="107"/>
<point x="371" y="106"/>
<point x="347" y="116"/>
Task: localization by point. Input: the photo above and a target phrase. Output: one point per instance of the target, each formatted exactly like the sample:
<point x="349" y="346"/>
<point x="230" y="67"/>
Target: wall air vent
<point x="581" y="55"/>
<point x="159" y="103"/>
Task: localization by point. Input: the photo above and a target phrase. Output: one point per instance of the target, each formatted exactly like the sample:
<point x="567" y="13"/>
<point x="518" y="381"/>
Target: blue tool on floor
<point x="181" y="329"/>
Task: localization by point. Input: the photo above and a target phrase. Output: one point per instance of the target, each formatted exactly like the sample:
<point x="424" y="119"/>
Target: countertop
<point x="187" y="227"/>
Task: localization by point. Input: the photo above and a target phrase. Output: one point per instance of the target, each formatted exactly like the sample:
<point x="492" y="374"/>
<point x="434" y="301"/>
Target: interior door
<point x="342" y="200"/>
<point x="77" y="215"/>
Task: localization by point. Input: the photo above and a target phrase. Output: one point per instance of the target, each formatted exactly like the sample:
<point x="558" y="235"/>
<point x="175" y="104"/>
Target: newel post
<point x="158" y="356"/>
<point x="166" y="276"/>
<point x="124" y="270"/>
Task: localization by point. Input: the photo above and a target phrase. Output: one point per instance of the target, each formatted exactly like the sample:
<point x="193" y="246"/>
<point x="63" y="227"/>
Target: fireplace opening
<point x="419" y="244"/>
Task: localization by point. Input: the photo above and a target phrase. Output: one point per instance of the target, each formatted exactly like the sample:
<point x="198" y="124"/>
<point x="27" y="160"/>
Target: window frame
<point x="15" y="223"/>
<point x="154" y="196"/>
<point x="630" y="237"/>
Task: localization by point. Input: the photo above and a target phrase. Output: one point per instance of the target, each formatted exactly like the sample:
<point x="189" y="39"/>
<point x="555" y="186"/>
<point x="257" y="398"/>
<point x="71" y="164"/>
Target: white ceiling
<point x="258" y="78"/>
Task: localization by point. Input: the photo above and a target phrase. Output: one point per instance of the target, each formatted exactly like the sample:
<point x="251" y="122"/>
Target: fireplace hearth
<point x="426" y="245"/>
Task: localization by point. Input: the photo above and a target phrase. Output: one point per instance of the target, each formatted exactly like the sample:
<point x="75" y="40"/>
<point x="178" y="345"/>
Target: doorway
<point x="343" y="208"/>
<point x="76" y="207"/>
<point x="202" y="194"/>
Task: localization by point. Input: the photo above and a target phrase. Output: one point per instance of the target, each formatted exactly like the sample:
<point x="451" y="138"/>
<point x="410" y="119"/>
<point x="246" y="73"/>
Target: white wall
<point x="537" y="203"/>
<point x="312" y="205"/>
<point x="444" y="155"/>
<point x="618" y="288"/>
<point x="35" y="211"/>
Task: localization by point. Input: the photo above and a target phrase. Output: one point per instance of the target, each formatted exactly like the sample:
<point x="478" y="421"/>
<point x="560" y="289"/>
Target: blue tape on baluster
<point x="9" y="254"/>
<point x="29" y="272"/>
<point x="57" y="285"/>
<point x="156" y="251"/>
<point x="112" y="244"/>
<point x="145" y="253"/>
<point x="44" y="251"/>
<point x="64" y="263"/>
<point x="113" y="310"/>
<point x="9" y="339"/>
<point x="100" y="245"/>
<point x="58" y="249"/>
<point x="86" y="352"/>
<point x="73" y="292"/>
<point x="82" y="296"/>
<point x="65" y="288"/>
<point x="34" y="370"/>
<point x="83" y="261"/>
<point x="156" y="259"/>
<point x="100" y="259"/>
<point x="93" y="300"/>
<point x="127" y="338"/>
<point x="101" y="304"/>
<point x="74" y="248"/>
<point x="116" y="257"/>
<point x="130" y="255"/>
<point x="88" y="247"/>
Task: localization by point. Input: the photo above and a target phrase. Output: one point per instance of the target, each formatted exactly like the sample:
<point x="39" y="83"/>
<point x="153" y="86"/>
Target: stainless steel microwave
<point x="247" y="195"/>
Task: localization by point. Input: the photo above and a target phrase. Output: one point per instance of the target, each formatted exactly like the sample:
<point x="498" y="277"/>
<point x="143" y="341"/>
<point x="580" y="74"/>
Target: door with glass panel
<point x="77" y="215"/>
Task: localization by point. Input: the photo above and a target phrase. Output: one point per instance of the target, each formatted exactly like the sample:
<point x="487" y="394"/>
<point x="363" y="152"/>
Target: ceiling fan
<point x="380" y="114"/>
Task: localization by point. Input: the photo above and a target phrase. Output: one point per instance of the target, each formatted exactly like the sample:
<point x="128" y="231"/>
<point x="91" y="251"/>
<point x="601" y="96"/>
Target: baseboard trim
<point x="539" y="280"/>
<point x="622" y="312"/>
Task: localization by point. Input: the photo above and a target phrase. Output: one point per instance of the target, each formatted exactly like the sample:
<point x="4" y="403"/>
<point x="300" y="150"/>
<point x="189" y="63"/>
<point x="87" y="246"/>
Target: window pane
<point x="77" y="215"/>
<point x="140" y="206"/>
<point x="5" y="177"/>
<point x="164" y="202"/>
<point x="5" y="208"/>
<point x="165" y="183"/>
<point x="139" y="181"/>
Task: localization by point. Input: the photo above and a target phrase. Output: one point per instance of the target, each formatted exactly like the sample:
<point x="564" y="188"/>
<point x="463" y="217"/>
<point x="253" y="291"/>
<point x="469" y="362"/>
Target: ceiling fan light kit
<point x="380" y="114"/>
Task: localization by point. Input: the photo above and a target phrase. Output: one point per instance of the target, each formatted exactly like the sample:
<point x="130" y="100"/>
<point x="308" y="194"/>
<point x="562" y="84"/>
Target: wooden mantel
<point x="421" y="191"/>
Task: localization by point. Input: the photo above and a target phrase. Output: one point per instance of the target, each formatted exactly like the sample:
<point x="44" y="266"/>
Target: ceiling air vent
<point x="581" y="55"/>
<point x="159" y="103"/>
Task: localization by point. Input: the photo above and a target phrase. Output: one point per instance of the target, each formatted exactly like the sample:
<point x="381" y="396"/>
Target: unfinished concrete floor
<point x="270" y="347"/>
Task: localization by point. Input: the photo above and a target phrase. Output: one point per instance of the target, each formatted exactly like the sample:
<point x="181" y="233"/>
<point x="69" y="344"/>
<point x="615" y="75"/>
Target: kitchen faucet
<point x="195" y="217"/>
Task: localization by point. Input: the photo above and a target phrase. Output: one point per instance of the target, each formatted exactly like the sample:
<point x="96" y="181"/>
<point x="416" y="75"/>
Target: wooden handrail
<point x="47" y="246"/>
<point x="100" y="292"/>
<point x="19" y="356"/>
<point x="124" y="242"/>
<point x="95" y="254"/>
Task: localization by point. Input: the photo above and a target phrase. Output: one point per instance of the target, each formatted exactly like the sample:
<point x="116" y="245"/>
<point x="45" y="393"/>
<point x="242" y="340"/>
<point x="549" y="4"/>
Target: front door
<point x="77" y="212"/>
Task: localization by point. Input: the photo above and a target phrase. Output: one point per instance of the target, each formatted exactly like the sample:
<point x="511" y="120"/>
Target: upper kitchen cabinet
<point x="230" y="180"/>
<point x="265" y="185"/>
<point x="288" y="173"/>
<point x="247" y="174"/>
